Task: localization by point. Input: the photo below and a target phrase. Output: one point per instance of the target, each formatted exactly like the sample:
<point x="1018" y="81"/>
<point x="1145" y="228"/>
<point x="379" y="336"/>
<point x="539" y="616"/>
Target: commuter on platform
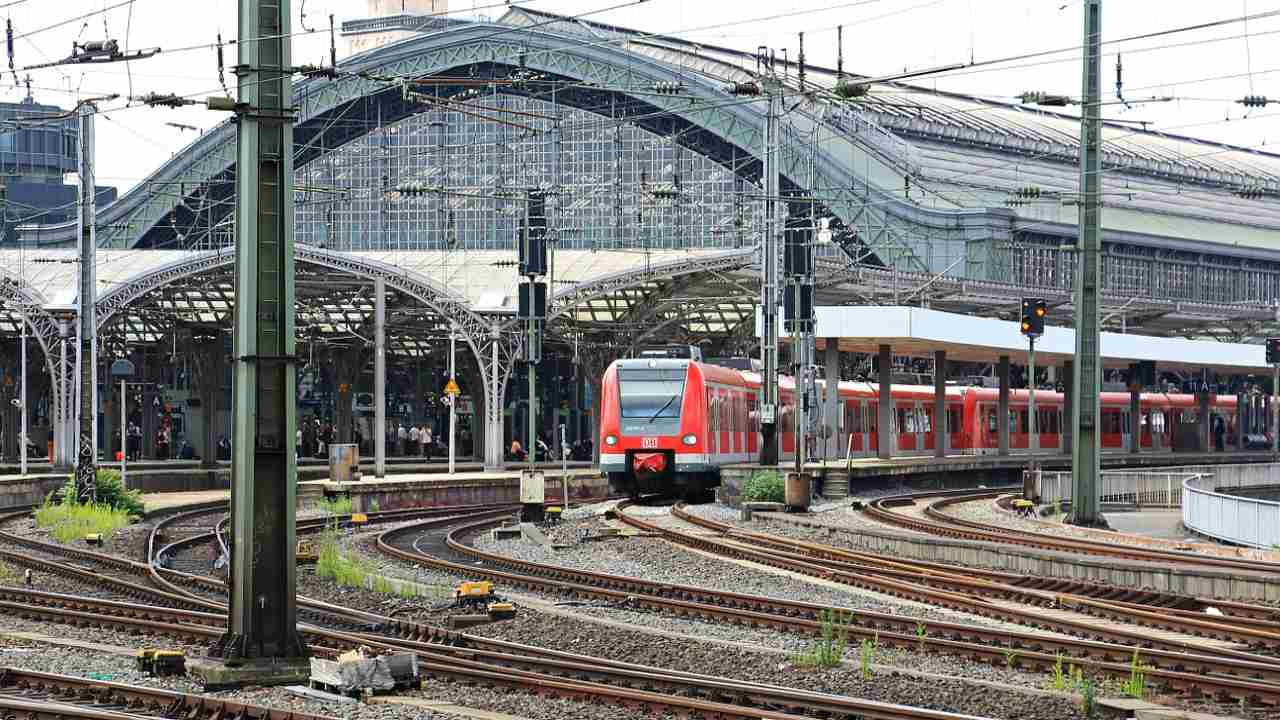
<point x="402" y="438"/>
<point x="162" y="443"/>
<point x="1219" y="433"/>
<point x="517" y="451"/>
<point x="415" y="437"/>
<point x="134" y="436"/>
<point x="427" y="440"/>
<point x="297" y="444"/>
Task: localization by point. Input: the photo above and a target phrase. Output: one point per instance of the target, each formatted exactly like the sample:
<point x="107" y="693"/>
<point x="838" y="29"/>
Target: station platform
<point x="161" y="476"/>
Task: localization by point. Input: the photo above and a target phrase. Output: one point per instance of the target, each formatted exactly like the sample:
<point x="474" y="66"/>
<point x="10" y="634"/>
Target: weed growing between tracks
<point x="348" y="569"/>
<point x="828" y="649"/>
<point x="1136" y="685"/>
<point x="868" y="655"/>
<point x="68" y="519"/>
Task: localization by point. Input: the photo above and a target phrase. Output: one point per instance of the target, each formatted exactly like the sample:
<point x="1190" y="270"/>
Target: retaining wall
<point x="390" y="494"/>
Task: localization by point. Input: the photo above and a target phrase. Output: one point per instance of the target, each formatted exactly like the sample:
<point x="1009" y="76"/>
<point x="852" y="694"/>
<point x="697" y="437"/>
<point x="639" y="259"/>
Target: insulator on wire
<point x="847" y="90"/>
<point x="1253" y="101"/>
<point x="1251" y="192"/>
<point x="750" y="88"/>
<point x="1043" y="98"/>
<point x="668" y="88"/>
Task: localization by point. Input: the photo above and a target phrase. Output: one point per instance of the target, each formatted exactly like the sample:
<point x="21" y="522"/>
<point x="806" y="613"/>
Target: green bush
<point x="111" y="492"/>
<point x="765" y="486"/>
<point x="337" y="506"/>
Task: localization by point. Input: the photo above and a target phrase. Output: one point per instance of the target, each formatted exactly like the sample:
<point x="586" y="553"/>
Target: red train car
<point x="667" y="425"/>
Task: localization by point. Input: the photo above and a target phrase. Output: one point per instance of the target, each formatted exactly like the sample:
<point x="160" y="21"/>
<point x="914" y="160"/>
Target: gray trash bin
<point x="344" y="462"/>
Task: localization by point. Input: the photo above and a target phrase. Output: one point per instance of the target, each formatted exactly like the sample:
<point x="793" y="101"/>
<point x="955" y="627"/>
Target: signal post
<point x="1034" y="311"/>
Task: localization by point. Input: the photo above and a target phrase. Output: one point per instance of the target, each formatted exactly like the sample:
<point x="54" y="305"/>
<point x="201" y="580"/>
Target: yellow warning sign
<point x="452" y="388"/>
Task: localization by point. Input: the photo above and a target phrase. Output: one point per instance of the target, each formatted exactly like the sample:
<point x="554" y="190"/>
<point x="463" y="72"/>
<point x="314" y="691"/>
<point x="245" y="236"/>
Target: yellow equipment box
<point x="474" y="589"/>
<point x="162" y="662"/>
<point x="93" y="539"/>
<point x="501" y="611"/>
<point x="359" y="519"/>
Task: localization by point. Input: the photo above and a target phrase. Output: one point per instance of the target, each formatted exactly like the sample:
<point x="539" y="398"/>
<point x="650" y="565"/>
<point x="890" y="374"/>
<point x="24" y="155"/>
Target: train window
<point x="872" y="417"/>
<point x="649" y="394"/>
<point x="1024" y="421"/>
<point x="927" y="419"/>
<point x="991" y="421"/>
<point x="902" y="421"/>
<point x="954" y="424"/>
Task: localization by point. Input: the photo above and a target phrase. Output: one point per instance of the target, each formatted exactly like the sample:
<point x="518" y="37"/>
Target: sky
<point x="1204" y="71"/>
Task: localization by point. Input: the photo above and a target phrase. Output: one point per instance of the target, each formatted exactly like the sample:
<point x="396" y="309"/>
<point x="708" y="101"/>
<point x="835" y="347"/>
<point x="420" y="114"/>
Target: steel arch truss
<point x="721" y="120"/>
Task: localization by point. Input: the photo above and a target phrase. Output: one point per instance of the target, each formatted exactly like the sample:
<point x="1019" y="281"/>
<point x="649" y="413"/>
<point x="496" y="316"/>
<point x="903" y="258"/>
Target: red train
<point x="667" y="425"/>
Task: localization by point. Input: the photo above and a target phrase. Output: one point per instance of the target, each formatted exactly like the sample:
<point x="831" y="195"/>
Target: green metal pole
<point x="87" y="342"/>
<point x="263" y="614"/>
<point x="1085" y="460"/>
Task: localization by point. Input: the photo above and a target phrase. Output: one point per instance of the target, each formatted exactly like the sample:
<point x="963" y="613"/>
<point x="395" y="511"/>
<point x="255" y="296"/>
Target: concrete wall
<point x="491" y="489"/>
<point x="21" y="491"/>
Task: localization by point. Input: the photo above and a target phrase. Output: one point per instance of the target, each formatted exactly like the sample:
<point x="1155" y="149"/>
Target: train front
<point x="648" y="426"/>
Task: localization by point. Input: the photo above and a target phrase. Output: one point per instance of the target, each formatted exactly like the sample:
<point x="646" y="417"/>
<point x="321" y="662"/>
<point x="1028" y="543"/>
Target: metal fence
<point x="1140" y="488"/>
<point x="1235" y="519"/>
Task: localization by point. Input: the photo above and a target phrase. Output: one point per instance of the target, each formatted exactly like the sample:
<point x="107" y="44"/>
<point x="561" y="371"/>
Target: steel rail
<point x="1184" y="671"/>
<point x="1187" y="605"/>
<point x="1257" y="633"/>
<point x="944" y="598"/>
<point x="137" y="699"/>
<point x="939" y="523"/>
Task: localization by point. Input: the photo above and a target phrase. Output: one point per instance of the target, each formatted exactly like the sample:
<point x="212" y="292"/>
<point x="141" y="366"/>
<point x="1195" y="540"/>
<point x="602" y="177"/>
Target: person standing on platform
<point x="414" y="439"/>
<point x="428" y="441"/>
<point x="402" y="437"/>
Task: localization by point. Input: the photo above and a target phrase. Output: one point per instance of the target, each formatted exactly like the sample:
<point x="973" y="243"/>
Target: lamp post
<point x="123" y="369"/>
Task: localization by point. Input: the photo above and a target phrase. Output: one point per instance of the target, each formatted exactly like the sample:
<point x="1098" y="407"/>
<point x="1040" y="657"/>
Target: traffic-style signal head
<point x="1034" y="311"/>
<point x="1273" y="351"/>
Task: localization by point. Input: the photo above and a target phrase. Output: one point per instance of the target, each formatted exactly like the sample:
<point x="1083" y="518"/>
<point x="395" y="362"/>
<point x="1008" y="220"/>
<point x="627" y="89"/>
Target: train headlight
<point x="689" y="439"/>
<point x="610" y="440"/>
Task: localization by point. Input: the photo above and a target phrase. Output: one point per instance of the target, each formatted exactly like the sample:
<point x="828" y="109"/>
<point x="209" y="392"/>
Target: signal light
<point x="1034" y="311"/>
<point x="1273" y="351"/>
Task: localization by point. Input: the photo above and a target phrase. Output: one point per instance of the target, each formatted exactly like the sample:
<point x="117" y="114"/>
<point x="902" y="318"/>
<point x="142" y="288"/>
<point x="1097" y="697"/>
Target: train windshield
<point x="651" y="394"/>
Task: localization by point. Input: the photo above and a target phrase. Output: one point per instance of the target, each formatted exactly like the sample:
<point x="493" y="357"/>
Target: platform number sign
<point x="1273" y="351"/>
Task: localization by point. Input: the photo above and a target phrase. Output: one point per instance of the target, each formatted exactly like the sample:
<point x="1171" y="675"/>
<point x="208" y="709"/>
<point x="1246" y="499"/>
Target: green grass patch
<point x="765" y="486"/>
<point x="346" y="568"/>
<point x="9" y="575"/>
<point x="828" y="649"/>
<point x="68" y="521"/>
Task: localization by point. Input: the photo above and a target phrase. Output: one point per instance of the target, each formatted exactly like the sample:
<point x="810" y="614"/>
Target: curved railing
<point x="1232" y="518"/>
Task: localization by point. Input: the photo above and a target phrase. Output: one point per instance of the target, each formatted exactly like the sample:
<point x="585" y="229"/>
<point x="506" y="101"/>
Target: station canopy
<point x="919" y="332"/>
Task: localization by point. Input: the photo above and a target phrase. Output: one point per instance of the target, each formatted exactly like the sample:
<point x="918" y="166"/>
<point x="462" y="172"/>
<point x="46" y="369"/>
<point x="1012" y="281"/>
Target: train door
<point x="905" y="426"/>
<point x="925" y="425"/>
<point x="1126" y="430"/>
<point x="871" y="421"/>
<point x="737" y="406"/>
<point x="713" y="422"/>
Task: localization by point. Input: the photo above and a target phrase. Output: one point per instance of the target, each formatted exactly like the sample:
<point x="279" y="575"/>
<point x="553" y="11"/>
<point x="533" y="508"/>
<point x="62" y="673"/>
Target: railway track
<point x="1253" y="625"/>
<point x="936" y="522"/>
<point x="35" y="695"/>
<point x="1256" y="679"/>
<point x="472" y="659"/>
